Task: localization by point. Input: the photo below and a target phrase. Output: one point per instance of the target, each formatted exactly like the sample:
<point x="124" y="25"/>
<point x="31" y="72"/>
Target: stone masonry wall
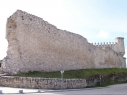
<point x="117" y="46"/>
<point x="41" y="83"/>
<point x="36" y="45"/>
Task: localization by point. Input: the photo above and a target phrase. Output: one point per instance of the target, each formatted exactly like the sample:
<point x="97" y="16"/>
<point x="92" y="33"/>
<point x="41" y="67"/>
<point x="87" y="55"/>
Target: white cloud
<point x="103" y="34"/>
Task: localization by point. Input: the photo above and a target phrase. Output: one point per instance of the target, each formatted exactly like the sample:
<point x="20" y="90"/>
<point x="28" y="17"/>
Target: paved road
<point x="120" y="89"/>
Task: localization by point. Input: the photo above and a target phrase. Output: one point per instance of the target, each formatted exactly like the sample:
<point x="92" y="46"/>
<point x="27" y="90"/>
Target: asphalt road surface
<point x="120" y="89"/>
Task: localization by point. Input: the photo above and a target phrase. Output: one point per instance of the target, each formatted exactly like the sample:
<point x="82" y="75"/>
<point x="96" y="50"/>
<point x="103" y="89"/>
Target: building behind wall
<point x="36" y="45"/>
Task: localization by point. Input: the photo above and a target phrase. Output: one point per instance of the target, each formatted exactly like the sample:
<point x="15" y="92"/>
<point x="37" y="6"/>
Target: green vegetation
<point x="83" y="73"/>
<point x="108" y="76"/>
<point x="104" y="84"/>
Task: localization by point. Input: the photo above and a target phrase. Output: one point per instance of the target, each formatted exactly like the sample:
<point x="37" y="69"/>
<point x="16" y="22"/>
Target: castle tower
<point x="120" y="45"/>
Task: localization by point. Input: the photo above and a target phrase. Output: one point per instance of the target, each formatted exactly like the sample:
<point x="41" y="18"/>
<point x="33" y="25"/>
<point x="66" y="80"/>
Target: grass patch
<point x="83" y="73"/>
<point x="109" y="76"/>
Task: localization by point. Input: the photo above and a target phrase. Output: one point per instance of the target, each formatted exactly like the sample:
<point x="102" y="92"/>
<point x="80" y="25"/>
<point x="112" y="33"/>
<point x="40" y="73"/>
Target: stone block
<point x="1" y="92"/>
<point x="21" y="91"/>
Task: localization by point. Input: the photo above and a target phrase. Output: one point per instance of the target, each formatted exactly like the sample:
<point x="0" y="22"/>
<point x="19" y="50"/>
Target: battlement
<point x="102" y="44"/>
<point x="117" y="46"/>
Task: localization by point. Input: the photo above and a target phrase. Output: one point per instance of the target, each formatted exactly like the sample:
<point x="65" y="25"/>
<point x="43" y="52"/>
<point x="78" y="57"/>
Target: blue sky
<point x="96" y="20"/>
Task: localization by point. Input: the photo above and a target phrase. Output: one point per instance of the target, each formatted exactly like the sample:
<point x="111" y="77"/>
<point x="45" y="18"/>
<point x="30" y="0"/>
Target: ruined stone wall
<point x="36" y="45"/>
<point x="42" y="83"/>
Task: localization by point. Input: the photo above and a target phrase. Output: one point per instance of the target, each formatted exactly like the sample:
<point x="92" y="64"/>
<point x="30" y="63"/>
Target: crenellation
<point x="112" y="45"/>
